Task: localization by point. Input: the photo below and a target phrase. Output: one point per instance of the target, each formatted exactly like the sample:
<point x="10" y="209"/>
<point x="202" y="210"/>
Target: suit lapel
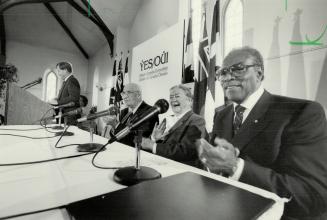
<point x="254" y="123"/>
<point x="226" y="121"/>
<point x="179" y="123"/>
<point x="62" y="89"/>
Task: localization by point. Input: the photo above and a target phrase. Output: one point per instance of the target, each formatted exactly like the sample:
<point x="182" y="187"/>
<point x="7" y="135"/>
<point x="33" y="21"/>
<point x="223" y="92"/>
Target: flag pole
<point x="183" y="68"/>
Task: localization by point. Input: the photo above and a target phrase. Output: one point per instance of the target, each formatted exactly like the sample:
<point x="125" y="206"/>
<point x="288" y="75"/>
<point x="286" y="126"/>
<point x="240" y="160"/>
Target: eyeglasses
<point x="236" y="70"/>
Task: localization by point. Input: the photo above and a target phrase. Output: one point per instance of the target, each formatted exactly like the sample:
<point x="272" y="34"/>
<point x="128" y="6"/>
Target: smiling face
<point x="237" y="89"/>
<point x="179" y="102"/>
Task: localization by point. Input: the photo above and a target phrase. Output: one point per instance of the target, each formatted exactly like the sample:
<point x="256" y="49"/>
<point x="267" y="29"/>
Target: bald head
<point x="132" y="95"/>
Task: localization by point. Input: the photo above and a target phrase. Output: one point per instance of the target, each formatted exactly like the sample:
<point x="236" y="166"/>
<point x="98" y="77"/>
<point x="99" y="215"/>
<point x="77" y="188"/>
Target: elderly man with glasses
<point x="132" y="96"/>
<point x="273" y="142"/>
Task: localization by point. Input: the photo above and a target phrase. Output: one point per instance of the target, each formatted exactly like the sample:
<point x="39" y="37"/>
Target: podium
<point x="23" y="108"/>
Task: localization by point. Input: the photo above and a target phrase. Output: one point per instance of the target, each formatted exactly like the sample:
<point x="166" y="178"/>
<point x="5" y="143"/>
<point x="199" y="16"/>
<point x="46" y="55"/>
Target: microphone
<point x="110" y="111"/>
<point x="160" y="107"/>
<point x="70" y="113"/>
<point x="33" y="83"/>
<point x="69" y="104"/>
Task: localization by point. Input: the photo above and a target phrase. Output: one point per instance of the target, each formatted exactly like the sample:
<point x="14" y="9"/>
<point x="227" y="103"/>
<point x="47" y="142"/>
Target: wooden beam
<point x="82" y="11"/>
<point x="95" y="18"/>
<point x="105" y="30"/>
<point x="66" y="29"/>
<point x="6" y="4"/>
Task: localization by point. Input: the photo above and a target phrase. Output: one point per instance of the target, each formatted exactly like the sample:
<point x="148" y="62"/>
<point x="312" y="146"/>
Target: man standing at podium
<point x="273" y="142"/>
<point x="69" y="92"/>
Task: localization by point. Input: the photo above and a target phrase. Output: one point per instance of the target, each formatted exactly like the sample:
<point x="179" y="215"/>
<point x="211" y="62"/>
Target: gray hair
<point x="185" y="89"/>
<point x="250" y="52"/>
<point x="135" y="87"/>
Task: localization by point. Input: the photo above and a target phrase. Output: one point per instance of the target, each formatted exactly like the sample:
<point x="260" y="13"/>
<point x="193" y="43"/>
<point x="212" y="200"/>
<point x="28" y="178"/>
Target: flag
<point x="206" y="98"/>
<point x="188" y="74"/>
<point x="113" y="89"/>
<point x="213" y="49"/>
<point x="126" y="76"/>
<point x="200" y="84"/>
<point x="119" y="84"/>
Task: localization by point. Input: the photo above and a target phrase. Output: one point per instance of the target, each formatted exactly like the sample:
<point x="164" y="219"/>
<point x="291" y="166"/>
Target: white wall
<point x="31" y="62"/>
<point x="153" y="17"/>
<point x="100" y="72"/>
<point x="293" y="70"/>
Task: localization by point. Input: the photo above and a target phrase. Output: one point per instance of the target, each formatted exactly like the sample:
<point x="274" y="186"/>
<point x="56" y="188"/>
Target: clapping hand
<point x="221" y="158"/>
<point x="159" y="131"/>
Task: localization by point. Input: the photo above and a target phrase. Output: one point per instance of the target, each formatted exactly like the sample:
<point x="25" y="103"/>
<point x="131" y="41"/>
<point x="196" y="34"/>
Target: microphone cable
<point x="23" y="136"/>
<point x="17" y="129"/>
<point x="45" y="125"/>
<point x="48" y="160"/>
<point x="100" y="167"/>
<point x="62" y="134"/>
<point x="43" y="161"/>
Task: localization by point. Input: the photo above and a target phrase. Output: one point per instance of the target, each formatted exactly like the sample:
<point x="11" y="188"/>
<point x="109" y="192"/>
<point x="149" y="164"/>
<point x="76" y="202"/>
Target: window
<point x="50" y="82"/>
<point x="233" y="25"/>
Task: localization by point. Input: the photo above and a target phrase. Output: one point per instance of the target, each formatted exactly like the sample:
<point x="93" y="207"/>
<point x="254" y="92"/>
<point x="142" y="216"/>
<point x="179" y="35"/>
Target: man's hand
<point x="158" y="130"/>
<point x="221" y="158"/>
<point x="53" y="101"/>
<point x="147" y="144"/>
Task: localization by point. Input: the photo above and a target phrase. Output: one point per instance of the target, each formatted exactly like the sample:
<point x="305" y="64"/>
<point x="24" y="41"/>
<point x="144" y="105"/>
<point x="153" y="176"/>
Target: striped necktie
<point x="238" y="118"/>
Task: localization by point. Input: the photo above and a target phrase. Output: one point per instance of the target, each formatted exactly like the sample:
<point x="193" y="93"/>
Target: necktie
<point x="130" y="116"/>
<point x="239" y="110"/>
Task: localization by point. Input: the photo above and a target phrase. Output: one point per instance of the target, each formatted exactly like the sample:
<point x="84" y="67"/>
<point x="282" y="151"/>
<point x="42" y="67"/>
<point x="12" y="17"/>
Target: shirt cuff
<point x="154" y="148"/>
<point x="239" y="170"/>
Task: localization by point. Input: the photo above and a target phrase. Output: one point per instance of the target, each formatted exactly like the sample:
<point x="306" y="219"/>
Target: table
<point x="28" y="188"/>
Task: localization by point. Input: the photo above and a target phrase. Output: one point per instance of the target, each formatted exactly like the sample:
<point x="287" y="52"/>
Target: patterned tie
<point x="239" y="110"/>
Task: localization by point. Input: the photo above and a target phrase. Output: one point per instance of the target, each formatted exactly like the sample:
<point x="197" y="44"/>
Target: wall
<point x="32" y="61"/>
<point x="153" y="17"/>
<point x="293" y="70"/>
<point x="100" y="72"/>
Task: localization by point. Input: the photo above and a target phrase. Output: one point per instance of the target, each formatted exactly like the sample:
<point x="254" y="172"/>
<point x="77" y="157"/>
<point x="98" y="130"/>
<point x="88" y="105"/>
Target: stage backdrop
<point x="157" y="64"/>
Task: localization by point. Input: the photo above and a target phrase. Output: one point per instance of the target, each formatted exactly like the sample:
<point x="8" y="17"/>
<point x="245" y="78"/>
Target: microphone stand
<point x="64" y="133"/>
<point x="135" y="174"/>
<point x="90" y="147"/>
<point x="58" y="127"/>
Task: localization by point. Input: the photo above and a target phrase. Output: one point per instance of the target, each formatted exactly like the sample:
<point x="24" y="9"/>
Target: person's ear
<point x="260" y="73"/>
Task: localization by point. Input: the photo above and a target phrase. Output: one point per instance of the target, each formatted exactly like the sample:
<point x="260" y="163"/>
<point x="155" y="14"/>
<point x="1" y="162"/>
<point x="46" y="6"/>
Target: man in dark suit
<point x="175" y="137"/>
<point x="136" y="107"/>
<point x="69" y="92"/>
<point x="273" y="142"/>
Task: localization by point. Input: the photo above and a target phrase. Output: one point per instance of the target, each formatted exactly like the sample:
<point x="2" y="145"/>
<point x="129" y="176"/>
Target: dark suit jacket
<point x="147" y="126"/>
<point x="70" y="92"/>
<point x="283" y="142"/>
<point x="179" y="143"/>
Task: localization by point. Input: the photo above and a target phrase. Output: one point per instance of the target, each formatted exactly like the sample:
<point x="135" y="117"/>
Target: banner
<point x="157" y="64"/>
